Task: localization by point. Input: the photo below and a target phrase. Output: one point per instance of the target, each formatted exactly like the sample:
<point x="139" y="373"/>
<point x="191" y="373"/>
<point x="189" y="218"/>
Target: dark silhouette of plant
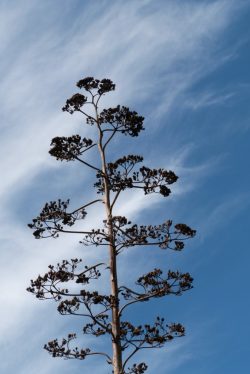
<point x="105" y="313"/>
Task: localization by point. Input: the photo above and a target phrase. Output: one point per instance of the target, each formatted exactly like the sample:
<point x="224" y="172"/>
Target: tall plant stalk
<point x="105" y="312"/>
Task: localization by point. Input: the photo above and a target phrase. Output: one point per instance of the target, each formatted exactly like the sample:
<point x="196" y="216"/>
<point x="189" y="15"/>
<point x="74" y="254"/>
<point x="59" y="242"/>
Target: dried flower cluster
<point x="69" y="148"/>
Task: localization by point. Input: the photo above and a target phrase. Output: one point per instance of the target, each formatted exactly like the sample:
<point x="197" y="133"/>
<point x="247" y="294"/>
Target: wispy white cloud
<point x="207" y="99"/>
<point x="223" y="213"/>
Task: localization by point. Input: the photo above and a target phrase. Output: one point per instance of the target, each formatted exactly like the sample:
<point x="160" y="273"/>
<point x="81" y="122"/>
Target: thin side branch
<point x="85" y="206"/>
<point x="87" y="164"/>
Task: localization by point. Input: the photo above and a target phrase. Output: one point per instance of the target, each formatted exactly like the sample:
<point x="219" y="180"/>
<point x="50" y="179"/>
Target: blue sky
<point x="184" y="65"/>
